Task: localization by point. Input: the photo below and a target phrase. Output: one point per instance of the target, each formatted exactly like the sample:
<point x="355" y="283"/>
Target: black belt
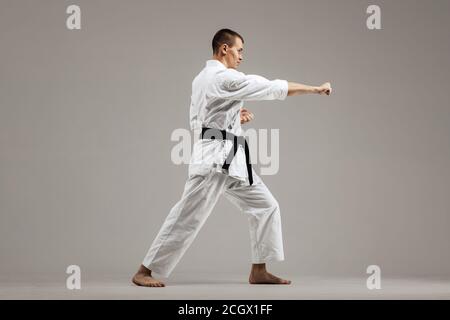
<point x="213" y="133"/>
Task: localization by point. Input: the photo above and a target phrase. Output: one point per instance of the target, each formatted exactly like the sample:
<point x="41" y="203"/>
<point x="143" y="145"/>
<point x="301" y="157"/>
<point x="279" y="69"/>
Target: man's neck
<point x="222" y="60"/>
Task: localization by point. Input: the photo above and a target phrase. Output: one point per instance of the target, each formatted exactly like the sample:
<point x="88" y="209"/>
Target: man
<point x="220" y="165"/>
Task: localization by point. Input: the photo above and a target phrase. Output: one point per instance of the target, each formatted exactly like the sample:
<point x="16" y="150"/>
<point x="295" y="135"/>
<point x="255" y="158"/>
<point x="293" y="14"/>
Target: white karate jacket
<point x="218" y="93"/>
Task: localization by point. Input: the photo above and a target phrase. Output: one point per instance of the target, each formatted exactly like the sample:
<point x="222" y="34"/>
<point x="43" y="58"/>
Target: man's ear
<point x="224" y="48"/>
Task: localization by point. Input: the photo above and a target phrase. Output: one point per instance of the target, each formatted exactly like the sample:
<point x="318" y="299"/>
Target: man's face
<point x="235" y="53"/>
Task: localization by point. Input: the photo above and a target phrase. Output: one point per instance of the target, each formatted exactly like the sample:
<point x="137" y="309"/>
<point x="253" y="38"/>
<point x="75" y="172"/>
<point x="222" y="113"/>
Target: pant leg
<point x="263" y="212"/>
<point x="184" y="221"/>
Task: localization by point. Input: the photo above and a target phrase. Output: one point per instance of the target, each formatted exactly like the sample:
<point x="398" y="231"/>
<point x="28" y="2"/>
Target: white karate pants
<point x="200" y="195"/>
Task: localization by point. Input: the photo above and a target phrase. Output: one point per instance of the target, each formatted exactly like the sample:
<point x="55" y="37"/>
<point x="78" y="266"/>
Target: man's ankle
<point x="144" y="269"/>
<point x="258" y="267"/>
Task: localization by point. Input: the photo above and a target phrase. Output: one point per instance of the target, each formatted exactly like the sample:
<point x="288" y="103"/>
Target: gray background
<point x="86" y="118"/>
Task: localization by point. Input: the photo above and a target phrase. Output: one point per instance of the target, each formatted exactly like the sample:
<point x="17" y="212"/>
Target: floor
<point x="230" y="287"/>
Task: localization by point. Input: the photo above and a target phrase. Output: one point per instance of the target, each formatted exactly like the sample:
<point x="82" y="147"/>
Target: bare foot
<point x="144" y="278"/>
<point x="259" y="275"/>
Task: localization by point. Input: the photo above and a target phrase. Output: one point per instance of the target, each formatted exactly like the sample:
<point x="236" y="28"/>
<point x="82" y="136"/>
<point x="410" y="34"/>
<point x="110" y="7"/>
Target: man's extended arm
<point x="295" y="89"/>
<point x="236" y="85"/>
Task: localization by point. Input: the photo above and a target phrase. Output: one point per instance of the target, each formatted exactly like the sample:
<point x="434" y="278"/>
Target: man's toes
<point x="282" y="281"/>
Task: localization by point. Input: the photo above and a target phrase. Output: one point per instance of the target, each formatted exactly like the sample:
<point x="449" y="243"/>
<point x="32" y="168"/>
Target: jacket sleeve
<point x="234" y="85"/>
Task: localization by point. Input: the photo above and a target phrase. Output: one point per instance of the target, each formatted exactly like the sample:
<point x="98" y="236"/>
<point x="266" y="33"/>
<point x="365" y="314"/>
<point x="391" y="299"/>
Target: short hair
<point x="224" y="36"/>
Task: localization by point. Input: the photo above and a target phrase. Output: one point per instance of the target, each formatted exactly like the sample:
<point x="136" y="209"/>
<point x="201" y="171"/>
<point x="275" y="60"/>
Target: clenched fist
<point x="246" y="115"/>
<point x="325" y="89"/>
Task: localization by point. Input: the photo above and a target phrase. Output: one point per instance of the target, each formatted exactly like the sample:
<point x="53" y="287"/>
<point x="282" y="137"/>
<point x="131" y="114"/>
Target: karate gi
<point x="218" y="93"/>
